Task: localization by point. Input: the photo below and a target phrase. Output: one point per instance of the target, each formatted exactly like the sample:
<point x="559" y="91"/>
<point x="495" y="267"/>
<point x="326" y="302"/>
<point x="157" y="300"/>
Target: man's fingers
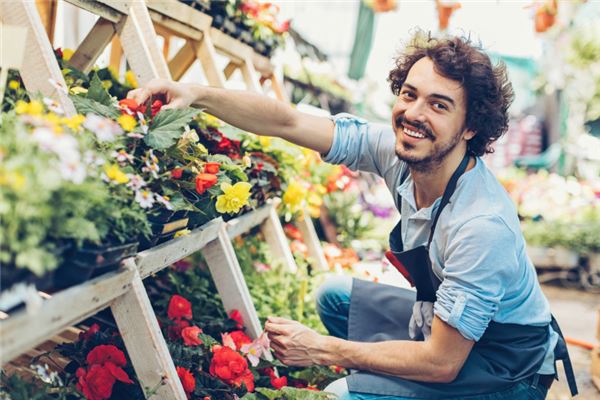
<point x="278" y="329"/>
<point x="279" y="320"/>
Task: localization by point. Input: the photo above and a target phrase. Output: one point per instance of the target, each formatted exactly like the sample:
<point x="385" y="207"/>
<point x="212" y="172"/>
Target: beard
<point x="428" y="162"/>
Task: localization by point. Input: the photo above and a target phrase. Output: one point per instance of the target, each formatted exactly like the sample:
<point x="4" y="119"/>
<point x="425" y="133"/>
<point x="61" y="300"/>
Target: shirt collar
<point x="407" y="193"/>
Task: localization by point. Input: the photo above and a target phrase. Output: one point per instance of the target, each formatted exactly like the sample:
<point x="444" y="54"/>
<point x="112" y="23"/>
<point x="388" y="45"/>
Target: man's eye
<point x="439" y="106"/>
<point x="408" y="95"/>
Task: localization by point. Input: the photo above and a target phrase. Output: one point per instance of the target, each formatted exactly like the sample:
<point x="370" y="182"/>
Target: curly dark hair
<point x="488" y="90"/>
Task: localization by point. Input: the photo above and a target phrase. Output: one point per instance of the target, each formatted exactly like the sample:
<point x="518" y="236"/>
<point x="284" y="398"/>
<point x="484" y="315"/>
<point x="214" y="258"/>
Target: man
<point x="478" y="304"/>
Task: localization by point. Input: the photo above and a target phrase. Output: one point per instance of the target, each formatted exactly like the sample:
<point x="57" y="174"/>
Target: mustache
<point x="400" y="120"/>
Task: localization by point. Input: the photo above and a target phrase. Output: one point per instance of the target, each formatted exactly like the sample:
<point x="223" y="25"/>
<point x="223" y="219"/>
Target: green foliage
<point x="167" y="126"/>
<point x="98" y="93"/>
<point x="17" y="388"/>
<point x="287" y="393"/>
<point x="86" y="106"/>
<point x="348" y="216"/>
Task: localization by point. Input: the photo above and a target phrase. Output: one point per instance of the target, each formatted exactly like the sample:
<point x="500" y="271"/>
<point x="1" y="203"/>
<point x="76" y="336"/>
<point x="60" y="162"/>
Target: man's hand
<point x="294" y="344"/>
<point x="174" y="94"/>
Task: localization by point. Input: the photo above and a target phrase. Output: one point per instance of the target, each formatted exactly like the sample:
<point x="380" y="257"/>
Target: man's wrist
<point x="327" y="349"/>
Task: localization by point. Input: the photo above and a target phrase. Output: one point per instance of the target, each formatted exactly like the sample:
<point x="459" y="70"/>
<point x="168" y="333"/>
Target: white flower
<point x="105" y="129"/>
<point x="53" y="106"/>
<point x="190" y="135"/>
<point x="46" y="375"/>
<point x="91" y="158"/>
<point x="122" y="156"/>
<point x="136" y="182"/>
<point x="143" y="123"/>
<point x="72" y="171"/>
<point x="145" y="198"/>
<point x="164" y="201"/>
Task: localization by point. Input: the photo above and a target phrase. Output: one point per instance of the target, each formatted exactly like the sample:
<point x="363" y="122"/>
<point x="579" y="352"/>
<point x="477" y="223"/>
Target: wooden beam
<point x="47" y="10"/>
<point x="39" y="63"/>
<point x="206" y="53"/>
<point x="250" y="76"/>
<point x="145" y="343"/>
<point x="116" y="53"/>
<point x="112" y="11"/>
<point x="153" y="260"/>
<point x="23" y="331"/>
<point x="182" y="61"/>
<point x="93" y="45"/>
<point x="229" y="280"/>
<point x="177" y="11"/>
<point x="230" y="69"/>
<point x="173" y="26"/>
<point x="277" y="241"/>
<point x="240" y="225"/>
<point x="139" y="44"/>
<point x="310" y="238"/>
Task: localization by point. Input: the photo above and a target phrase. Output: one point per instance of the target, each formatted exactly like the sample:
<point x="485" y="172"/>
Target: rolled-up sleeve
<point x="360" y="145"/>
<point x="479" y="264"/>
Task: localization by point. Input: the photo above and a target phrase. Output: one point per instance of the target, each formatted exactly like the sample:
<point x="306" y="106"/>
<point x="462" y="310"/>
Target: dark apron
<point x="504" y="355"/>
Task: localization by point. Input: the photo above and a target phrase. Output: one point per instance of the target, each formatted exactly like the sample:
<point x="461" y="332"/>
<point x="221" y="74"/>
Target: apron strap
<point x="562" y="353"/>
<point x="448" y="193"/>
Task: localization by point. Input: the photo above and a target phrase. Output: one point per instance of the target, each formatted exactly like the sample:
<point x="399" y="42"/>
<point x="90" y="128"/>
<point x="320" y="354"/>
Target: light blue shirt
<point x="478" y="250"/>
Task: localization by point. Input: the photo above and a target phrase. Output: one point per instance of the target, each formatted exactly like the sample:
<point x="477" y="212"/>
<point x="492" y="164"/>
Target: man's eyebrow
<point x="435" y="95"/>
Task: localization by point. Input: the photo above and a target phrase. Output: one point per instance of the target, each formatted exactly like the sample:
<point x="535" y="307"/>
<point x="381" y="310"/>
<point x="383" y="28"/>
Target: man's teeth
<point x="413" y="134"/>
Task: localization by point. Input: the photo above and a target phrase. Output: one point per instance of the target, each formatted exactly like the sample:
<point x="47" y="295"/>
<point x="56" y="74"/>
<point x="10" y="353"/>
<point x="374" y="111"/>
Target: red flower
<point x="292" y="232"/>
<point x="179" y="307"/>
<point x="129" y="104"/>
<point x="106" y="353"/>
<point x="278" y="383"/>
<point x="176" y="173"/>
<point x="239" y="338"/>
<point x="174" y="331"/>
<point x="95" y="383"/>
<point x="259" y="166"/>
<point x="204" y="182"/>
<point x="156" y="106"/>
<point x="283" y="27"/>
<point x="187" y="380"/>
<point x="59" y="52"/>
<point x="229" y="366"/>
<point x="190" y="336"/>
<point x="211" y="167"/>
<point x="237" y="316"/>
<point x="92" y="330"/>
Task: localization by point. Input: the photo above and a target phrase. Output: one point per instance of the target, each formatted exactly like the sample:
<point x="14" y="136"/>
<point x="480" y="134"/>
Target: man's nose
<point x="415" y="111"/>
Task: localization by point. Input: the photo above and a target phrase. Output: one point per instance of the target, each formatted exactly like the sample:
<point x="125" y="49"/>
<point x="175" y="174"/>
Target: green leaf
<point x="85" y="106"/>
<point x="97" y="92"/>
<point x="167" y="126"/>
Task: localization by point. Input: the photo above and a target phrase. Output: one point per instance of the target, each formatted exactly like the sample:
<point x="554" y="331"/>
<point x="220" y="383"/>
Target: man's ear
<point x="468" y="134"/>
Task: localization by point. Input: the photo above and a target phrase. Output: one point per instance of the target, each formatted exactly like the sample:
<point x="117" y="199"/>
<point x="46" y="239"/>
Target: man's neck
<point x="430" y="185"/>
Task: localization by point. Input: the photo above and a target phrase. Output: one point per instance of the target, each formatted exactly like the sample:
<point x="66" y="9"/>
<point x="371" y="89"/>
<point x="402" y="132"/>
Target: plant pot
<point x="230" y="27"/>
<point x="89" y="262"/>
<point x="548" y="257"/>
<point x="246" y="36"/>
<point x="217" y="22"/>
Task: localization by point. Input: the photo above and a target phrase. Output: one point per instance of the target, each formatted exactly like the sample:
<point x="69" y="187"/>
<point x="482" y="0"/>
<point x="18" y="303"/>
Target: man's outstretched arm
<point x="246" y="110"/>
<point x="439" y="359"/>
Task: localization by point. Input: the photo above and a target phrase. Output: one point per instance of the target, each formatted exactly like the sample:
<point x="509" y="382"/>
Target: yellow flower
<point x="211" y="120"/>
<point x="131" y="79"/>
<point x="78" y="90"/>
<point x="294" y="196"/>
<point x="55" y="121"/>
<point x="233" y="198"/>
<point x="127" y="122"/>
<point x="33" y="108"/>
<point x="14" y="85"/>
<point x="13" y="179"/>
<point x="107" y="84"/>
<point x="67" y="54"/>
<point x="182" y="232"/>
<point x="265" y="141"/>
<point x="113" y="173"/>
<point x="74" y="123"/>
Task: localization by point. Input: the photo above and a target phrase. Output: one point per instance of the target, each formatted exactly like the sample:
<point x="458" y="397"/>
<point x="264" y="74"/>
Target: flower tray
<point x="156" y="239"/>
<point x="86" y="263"/>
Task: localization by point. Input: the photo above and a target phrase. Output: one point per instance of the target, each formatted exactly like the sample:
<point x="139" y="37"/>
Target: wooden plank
<point x="140" y="45"/>
<point x="173" y="26"/>
<point x="47" y="10"/>
<point x="309" y="235"/>
<point x="116" y="53"/>
<point x="277" y="241"/>
<point x="23" y="331"/>
<point x="39" y="63"/>
<point x="229" y="280"/>
<point x="229" y="46"/>
<point x="112" y="11"/>
<point x="240" y="225"/>
<point x="230" y="69"/>
<point x="93" y="45"/>
<point x="153" y="260"/>
<point x="250" y="75"/>
<point x="144" y="341"/>
<point x="182" y="61"/>
<point x="262" y="64"/>
<point x="279" y="89"/>
<point x="177" y="11"/>
<point x="206" y="53"/>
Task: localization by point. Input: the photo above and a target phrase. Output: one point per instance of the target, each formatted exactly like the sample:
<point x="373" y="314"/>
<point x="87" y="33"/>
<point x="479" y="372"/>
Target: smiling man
<point x="478" y="324"/>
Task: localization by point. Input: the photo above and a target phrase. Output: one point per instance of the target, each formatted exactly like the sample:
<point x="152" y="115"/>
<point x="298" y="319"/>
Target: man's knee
<point x="333" y="293"/>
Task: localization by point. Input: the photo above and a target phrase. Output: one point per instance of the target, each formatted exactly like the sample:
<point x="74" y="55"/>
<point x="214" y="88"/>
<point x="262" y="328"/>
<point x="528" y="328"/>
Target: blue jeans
<point x="333" y="305"/>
